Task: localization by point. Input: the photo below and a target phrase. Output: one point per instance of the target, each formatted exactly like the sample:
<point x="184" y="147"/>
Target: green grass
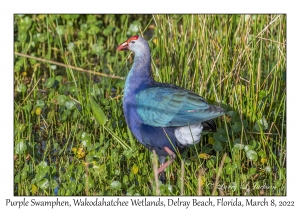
<point x="61" y="147"/>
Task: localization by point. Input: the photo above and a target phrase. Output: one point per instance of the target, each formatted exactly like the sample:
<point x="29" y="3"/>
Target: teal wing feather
<point x="169" y="106"/>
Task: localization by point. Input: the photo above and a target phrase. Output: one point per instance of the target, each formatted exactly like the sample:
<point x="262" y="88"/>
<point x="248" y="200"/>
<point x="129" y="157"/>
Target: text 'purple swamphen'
<point x="163" y="117"/>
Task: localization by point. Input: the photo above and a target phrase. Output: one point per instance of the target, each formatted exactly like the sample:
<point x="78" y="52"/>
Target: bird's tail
<point x="209" y="126"/>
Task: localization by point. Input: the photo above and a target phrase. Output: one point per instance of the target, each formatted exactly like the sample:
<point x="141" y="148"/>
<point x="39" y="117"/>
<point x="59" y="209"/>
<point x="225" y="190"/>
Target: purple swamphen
<point x="163" y="117"/>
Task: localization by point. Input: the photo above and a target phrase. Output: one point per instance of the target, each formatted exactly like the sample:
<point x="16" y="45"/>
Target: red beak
<point x="123" y="46"/>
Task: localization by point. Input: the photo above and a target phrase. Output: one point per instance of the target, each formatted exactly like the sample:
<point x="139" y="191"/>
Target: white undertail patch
<point x="189" y="135"/>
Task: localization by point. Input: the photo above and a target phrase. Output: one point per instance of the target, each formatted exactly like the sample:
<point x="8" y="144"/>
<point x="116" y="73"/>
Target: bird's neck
<point x="139" y="76"/>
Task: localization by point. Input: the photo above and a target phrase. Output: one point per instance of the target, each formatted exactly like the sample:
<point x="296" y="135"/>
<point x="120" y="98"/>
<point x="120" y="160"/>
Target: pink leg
<point x="166" y="164"/>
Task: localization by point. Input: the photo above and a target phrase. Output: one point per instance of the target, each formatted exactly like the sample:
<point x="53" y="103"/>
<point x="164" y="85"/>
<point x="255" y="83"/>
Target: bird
<point x="163" y="117"/>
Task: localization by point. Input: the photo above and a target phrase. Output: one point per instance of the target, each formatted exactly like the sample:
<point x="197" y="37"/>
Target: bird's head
<point x="136" y="43"/>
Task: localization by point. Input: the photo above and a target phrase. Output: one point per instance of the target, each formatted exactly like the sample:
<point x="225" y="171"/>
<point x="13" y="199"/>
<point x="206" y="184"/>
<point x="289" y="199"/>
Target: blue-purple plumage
<point x="161" y="115"/>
